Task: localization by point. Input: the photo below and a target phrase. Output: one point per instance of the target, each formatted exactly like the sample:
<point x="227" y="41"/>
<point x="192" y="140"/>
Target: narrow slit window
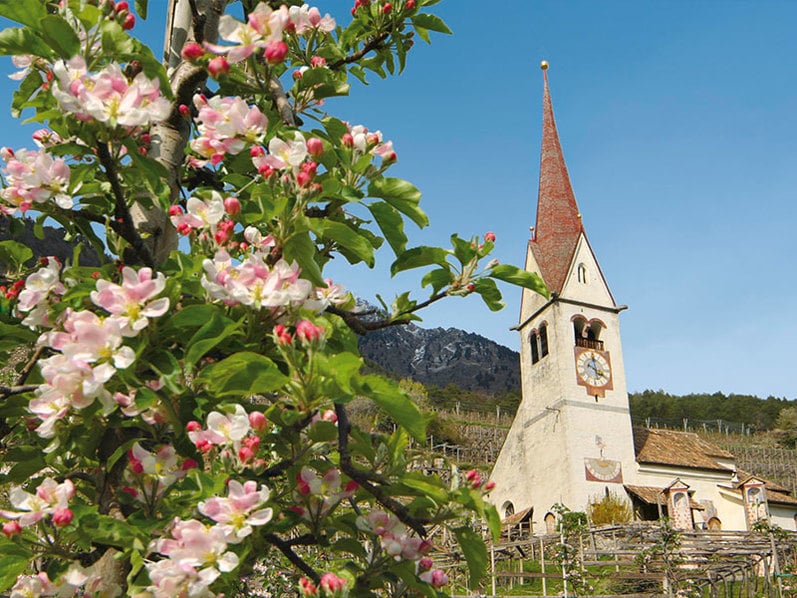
<point x="535" y="351"/>
<point x="543" y="340"/>
<point x="582" y="274"/>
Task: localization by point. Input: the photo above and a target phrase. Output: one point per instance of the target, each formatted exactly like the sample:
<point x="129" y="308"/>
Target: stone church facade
<point x="572" y="440"/>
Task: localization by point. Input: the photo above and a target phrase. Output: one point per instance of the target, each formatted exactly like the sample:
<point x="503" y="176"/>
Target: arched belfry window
<point x="582" y="273"/>
<point x="543" y="340"/>
<point x="588" y="333"/>
<point x="535" y="349"/>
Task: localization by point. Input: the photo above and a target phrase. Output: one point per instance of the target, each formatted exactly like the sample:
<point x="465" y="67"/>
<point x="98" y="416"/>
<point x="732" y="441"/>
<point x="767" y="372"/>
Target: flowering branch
<point x="375" y="43"/>
<point x="7" y="391"/>
<point x="364" y="478"/>
<point x="281" y="100"/>
<point x="122" y="223"/>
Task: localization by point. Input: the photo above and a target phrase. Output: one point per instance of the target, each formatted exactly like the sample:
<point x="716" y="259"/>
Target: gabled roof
<point x="558" y="223"/>
<point x="653" y="495"/>
<point x="677" y="449"/>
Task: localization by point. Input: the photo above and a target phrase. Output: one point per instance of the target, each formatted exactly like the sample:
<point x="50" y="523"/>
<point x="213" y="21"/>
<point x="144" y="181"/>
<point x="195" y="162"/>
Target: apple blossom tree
<point x="179" y="420"/>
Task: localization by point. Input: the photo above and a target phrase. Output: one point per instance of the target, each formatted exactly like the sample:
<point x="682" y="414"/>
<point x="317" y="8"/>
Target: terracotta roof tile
<point x="678" y="449"/>
<point x="558" y="223"/>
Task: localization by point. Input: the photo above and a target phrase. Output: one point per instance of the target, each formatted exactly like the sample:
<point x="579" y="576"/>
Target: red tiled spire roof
<point x="558" y="222"/>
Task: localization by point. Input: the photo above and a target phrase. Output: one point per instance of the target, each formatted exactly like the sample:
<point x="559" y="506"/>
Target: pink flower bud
<point x="257" y="151"/>
<point x="410" y="4"/>
<point x="63" y="516"/>
<point x="307" y="587"/>
<point x="184" y="229"/>
<point x="315" y="147"/>
<point x="331" y="583"/>
<point x="276" y="52"/>
<point x="308" y="332"/>
<point x="489" y="236"/>
<point x="347" y="140"/>
<point x="302" y="178"/>
<point x="386" y="8"/>
<point x="489" y="485"/>
<point x="120" y="6"/>
<point x="439" y="578"/>
<point x="189" y="464"/>
<point x="203" y="445"/>
<point x="184" y="110"/>
<point x="11" y="528"/>
<point x="330" y="416"/>
<point x="192" y="51"/>
<point x="258" y="421"/>
<point x="129" y="490"/>
<point x="232" y="206"/>
<point x="471" y="287"/>
<point x="283" y="336"/>
<point x="245" y="454"/>
<point x="318" y="61"/>
<point x="193" y="426"/>
<point x="175" y="211"/>
<point x="218" y="66"/>
<point x="471" y="475"/>
<point x="425" y="563"/>
<point x="129" y="22"/>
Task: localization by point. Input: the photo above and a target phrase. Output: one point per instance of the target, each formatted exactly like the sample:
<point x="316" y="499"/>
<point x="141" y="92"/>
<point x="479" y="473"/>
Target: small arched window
<point x="582" y="273"/>
<point x="535" y="350"/>
<point x="543" y="340"/>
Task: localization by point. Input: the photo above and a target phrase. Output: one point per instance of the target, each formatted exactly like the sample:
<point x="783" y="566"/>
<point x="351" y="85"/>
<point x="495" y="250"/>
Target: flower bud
<point x="184" y="111"/>
<point x="308" y="332"/>
<point x="489" y="236"/>
<point x="192" y="51"/>
<point x="11" y="528"/>
<point x="218" y="66"/>
<point x="232" y="206"/>
<point x="315" y="147"/>
<point x="129" y="22"/>
<point x="318" y="61"/>
<point x="410" y="4"/>
<point x="62" y="517"/>
<point x="258" y="421"/>
<point x="276" y="52"/>
<point x="386" y="8"/>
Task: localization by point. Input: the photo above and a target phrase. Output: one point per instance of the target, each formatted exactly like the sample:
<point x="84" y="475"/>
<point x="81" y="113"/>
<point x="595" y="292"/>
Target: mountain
<point x="443" y="356"/>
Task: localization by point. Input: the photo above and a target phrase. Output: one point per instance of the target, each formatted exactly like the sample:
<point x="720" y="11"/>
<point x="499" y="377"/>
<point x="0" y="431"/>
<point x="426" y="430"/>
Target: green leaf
<point x="193" y="316"/>
<point x="431" y="22"/>
<point x="300" y="247"/>
<point x="60" y="36"/>
<point x="141" y="8"/>
<point x="243" y="374"/>
<point x="417" y="257"/>
<point x="475" y="553"/>
<point x="217" y="329"/>
<point x="23" y="41"/>
<point x="12" y="337"/>
<point x="438" y="278"/>
<point x="29" y="86"/>
<point x="14" y="253"/>
<point x="426" y="488"/>
<point x="343" y="368"/>
<point x="26" y="12"/>
<point x="391" y="224"/>
<point x="489" y="293"/>
<point x="402" y="195"/>
<point x="23" y="470"/>
<point x="464" y="250"/>
<point x="396" y="403"/>
<point x="522" y="278"/>
<point x="14" y="561"/>
<point x="349" y="239"/>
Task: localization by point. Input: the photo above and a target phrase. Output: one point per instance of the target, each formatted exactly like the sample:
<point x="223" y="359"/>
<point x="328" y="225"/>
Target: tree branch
<point x="373" y="44"/>
<point x="122" y="223"/>
<point x="280" y="98"/>
<point x="364" y="478"/>
<point x="285" y="548"/>
<point x="7" y="391"/>
<point x="354" y="321"/>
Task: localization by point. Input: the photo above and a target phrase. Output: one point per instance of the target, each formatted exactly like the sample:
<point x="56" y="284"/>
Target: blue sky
<point x="678" y="122"/>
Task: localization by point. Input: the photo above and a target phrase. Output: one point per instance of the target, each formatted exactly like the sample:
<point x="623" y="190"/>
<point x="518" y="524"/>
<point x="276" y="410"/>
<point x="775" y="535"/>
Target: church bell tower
<point x="571" y="439"/>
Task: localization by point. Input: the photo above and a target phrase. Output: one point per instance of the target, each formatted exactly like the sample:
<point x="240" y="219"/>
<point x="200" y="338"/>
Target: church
<point x="572" y="441"/>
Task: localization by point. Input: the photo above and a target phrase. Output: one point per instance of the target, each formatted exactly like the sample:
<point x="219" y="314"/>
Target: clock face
<point x="593" y="368"/>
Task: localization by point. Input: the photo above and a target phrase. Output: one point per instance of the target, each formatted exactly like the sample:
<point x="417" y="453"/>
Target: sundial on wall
<point x="603" y="470"/>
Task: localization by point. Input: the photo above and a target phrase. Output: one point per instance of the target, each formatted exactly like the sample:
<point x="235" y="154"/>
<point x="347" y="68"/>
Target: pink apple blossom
<point x="107" y="96"/>
<point x="264" y="25"/>
<point x="130" y="301"/>
<point x="333" y="586"/>
<point x="435" y="577"/>
<point x="240" y="510"/>
<point x="33" y="586"/>
<point x="226" y="125"/>
<point x="50" y="497"/>
<point x="304" y="18"/>
<point x="41" y="288"/>
<point x="200" y="213"/>
<point x="33" y="177"/>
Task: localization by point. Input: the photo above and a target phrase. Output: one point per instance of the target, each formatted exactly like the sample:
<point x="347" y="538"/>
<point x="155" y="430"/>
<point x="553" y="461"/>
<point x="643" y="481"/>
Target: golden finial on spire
<point x="544" y="65"/>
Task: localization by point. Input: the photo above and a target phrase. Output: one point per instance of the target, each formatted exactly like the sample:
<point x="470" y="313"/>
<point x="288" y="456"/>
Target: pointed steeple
<point x="558" y="221"/>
